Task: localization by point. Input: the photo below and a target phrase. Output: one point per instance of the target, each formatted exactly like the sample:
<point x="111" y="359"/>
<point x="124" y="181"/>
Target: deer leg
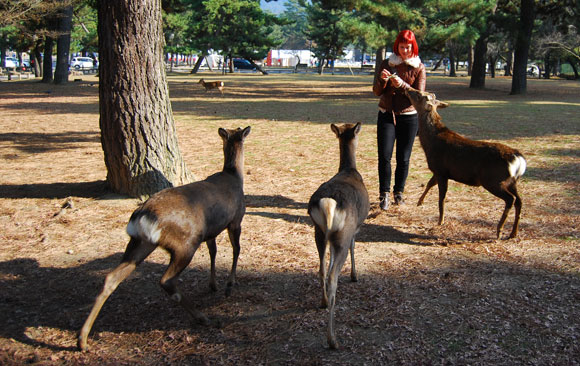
<point x="353" y="276"/>
<point x="518" y="204"/>
<point x="135" y="253"/>
<point x="430" y="185"/>
<point x="321" y="246"/>
<point x="501" y="191"/>
<point x="180" y="258"/>
<point x="212" y="247"/>
<point x="339" y="252"/>
<point x="234" y="234"/>
<point x="442" y="184"/>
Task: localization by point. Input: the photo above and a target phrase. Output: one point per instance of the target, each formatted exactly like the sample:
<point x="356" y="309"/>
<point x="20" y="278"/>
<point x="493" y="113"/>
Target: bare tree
<point x="137" y="128"/>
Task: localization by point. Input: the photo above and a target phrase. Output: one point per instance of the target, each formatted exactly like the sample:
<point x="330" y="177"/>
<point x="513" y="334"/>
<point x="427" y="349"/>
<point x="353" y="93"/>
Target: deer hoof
<point x="332" y="344"/>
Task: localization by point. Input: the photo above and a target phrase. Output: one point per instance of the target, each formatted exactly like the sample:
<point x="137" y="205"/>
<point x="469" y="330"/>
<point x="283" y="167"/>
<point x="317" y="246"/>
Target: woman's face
<point x="405" y="50"/>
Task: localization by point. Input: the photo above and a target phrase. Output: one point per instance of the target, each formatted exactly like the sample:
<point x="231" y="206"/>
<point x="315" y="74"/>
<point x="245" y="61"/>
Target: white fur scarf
<point x="395" y="60"/>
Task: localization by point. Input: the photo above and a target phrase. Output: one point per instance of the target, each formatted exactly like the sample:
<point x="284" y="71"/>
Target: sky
<point x="275" y="7"/>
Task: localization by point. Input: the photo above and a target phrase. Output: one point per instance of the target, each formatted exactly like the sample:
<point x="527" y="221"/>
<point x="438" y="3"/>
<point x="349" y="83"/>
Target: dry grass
<point x="426" y="294"/>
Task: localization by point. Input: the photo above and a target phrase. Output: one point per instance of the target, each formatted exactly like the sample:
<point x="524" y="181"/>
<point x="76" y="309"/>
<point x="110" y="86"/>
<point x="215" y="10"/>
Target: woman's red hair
<point x="406" y="36"/>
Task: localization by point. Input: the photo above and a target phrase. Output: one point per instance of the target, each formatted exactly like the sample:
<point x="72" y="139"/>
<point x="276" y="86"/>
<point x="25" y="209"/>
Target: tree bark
<point x="478" y="69"/>
<point x="470" y="61"/>
<point x="47" y="60"/>
<point x="452" y="62"/>
<point x="571" y="61"/>
<point x="379" y="57"/>
<point x="37" y="57"/>
<point x="63" y="45"/>
<point x="509" y="64"/>
<point x="547" y="65"/>
<point x="198" y="63"/>
<point x="526" y="25"/>
<point x="138" y="133"/>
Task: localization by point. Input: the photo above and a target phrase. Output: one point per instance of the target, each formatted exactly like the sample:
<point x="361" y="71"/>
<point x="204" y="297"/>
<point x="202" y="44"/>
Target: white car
<point x="12" y="62"/>
<point x="82" y="63"/>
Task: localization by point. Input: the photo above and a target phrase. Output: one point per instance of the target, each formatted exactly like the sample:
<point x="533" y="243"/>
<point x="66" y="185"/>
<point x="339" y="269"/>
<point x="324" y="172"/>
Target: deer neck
<point x="234" y="160"/>
<point x="347" y="156"/>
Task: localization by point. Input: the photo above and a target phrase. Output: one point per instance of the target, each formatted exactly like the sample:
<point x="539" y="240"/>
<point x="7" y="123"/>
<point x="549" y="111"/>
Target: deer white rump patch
<point x="144" y="228"/>
<point x="326" y="216"/>
<point x="517" y="167"/>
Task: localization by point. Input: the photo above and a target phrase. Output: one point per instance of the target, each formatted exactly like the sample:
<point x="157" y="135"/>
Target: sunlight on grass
<point x="541" y="102"/>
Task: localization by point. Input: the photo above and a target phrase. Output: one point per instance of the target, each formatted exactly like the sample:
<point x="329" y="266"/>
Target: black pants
<point x="387" y="132"/>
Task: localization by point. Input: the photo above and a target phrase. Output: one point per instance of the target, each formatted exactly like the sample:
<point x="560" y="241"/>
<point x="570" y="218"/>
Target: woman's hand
<point x="386" y="75"/>
<point x="396" y="81"/>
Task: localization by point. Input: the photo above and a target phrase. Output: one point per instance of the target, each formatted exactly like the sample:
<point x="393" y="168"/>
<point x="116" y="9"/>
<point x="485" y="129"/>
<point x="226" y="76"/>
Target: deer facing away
<point x="338" y="208"/>
<point x="209" y="85"/>
<point x="178" y="220"/>
<point x="494" y="166"/>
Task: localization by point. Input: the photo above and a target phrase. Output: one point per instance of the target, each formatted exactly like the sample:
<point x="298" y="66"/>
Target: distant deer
<point x="494" y="166"/>
<point x="178" y="220"/>
<point x="219" y="85"/>
<point x="338" y="208"/>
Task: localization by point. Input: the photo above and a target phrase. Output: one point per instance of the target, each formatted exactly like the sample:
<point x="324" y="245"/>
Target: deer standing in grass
<point x="178" y="220"/>
<point x="209" y="85"/>
<point x="494" y="166"/>
<point x="338" y="208"/>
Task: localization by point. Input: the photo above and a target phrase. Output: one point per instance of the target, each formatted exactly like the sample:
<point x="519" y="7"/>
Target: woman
<point x="397" y="119"/>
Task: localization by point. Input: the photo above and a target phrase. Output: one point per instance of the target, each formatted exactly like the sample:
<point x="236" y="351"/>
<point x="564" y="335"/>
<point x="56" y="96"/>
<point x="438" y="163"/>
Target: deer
<point x="338" y="208"/>
<point x="494" y="166"/>
<point x="179" y="219"/>
<point x="209" y="85"/>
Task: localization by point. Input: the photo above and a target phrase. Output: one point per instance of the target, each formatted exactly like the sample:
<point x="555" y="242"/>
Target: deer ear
<point x="441" y="104"/>
<point x="335" y="129"/>
<point x="357" y="128"/>
<point x="223" y="133"/>
<point x="246" y="132"/>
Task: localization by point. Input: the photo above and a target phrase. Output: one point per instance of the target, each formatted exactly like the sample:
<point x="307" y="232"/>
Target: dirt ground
<point x="426" y="294"/>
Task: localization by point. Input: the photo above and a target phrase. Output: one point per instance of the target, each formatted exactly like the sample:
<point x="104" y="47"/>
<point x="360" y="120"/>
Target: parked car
<point x="82" y="63"/>
<point x="240" y="63"/>
<point x="12" y="62"/>
<point x="533" y="70"/>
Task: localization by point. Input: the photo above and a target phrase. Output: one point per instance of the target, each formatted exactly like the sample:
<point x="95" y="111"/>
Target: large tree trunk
<point x="478" y="69"/>
<point x="509" y="65"/>
<point x="526" y="25"/>
<point x="547" y="65"/>
<point x="137" y="127"/>
<point x="573" y="65"/>
<point x="380" y="56"/>
<point x="198" y="64"/>
<point x="37" y="57"/>
<point x="451" y="62"/>
<point x="492" y="62"/>
<point x="470" y="61"/>
<point x="63" y="45"/>
<point x="47" y="60"/>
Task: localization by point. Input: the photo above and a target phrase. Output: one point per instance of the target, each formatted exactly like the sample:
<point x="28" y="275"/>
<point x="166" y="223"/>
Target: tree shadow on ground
<point x="32" y="143"/>
<point x="454" y="312"/>
<point x="277" y="200"/>
<point x="368" y="232"/>
<point x="96" y="189"/>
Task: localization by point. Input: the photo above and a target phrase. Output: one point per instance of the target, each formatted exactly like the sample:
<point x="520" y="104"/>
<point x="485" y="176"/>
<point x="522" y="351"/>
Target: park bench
<point x="12" y="72"/>
<point x="368" y="68"/>
<point x="301" y="67"/>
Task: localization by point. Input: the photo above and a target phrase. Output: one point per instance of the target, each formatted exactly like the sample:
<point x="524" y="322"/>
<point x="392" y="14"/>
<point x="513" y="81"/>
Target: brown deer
<point x="209" y="85"/>
<point x="494" y="166"/>
<point x="338" y="208"/>
<point x="178" y="220"/>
